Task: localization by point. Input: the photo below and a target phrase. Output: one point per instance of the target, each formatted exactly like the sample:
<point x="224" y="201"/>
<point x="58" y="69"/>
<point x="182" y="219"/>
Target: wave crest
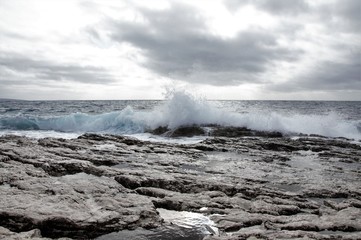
<point x="183" y="109"/>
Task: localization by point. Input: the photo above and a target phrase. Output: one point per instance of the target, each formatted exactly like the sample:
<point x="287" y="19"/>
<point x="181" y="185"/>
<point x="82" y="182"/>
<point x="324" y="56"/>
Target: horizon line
<point x="290" y="100"/>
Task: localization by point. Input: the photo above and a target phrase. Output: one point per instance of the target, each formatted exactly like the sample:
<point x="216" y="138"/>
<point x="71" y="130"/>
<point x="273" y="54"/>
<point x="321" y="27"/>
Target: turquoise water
<point x="328" y="118"/>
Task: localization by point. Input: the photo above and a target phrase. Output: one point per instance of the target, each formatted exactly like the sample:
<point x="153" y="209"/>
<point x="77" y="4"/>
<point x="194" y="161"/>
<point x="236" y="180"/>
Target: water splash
<point x="180" y="109"/>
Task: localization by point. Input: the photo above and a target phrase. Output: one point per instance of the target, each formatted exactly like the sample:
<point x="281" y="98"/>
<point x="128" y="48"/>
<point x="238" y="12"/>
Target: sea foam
<point x="182" y="109"/>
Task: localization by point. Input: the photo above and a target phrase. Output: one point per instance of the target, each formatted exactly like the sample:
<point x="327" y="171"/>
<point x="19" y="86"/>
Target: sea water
<point x="69" y="119"/>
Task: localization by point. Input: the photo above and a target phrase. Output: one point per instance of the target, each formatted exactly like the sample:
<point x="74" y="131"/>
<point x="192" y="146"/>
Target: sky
<point x="219" y="49"/>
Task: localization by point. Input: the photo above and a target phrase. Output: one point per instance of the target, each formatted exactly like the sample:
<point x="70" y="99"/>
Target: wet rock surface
<point x="252" y="187"/>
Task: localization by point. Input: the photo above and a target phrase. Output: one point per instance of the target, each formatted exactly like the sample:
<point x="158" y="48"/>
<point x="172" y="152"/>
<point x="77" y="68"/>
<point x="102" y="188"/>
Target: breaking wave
<point x="184" y="109"/>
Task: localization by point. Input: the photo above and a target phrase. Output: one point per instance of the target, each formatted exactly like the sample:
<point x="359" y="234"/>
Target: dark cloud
<point x="13" y="65"/>
<point x="286" y="7"/>
<point x="349" y="9"/>
<point x="176" y="43"/>
<point x="341" y="15"/>
<point x="345" y="75"/>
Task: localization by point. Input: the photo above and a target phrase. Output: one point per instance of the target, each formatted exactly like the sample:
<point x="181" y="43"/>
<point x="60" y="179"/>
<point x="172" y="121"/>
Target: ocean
<point x="69" y="119"/>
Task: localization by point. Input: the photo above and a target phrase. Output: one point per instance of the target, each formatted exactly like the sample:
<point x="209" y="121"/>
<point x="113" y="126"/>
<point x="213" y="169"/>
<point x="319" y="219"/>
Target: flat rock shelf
<point x="250" y="187"/>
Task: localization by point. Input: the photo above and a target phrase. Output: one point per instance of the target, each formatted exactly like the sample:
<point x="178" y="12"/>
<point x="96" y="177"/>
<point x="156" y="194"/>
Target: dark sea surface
<point x="72" y="118"/>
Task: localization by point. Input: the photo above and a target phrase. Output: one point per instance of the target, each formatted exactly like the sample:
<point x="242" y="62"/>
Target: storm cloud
<point x="177" y="43"/>
<point x="344" y="75"/>
<point x="13" y="65"/>
<point x="342" y="16"/>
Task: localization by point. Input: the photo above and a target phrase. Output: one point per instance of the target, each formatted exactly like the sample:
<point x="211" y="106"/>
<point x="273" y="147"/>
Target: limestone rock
<point x="253" y="185"/>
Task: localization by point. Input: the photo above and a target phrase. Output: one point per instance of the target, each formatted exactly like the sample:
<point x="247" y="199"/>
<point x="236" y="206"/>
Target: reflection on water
<point x="189" y="220"/>
<point x="164" y="233"/>
<point x="177" y="226"/>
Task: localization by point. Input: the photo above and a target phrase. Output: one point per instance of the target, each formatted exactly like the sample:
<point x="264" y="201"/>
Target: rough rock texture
<point x="264" y="187"/>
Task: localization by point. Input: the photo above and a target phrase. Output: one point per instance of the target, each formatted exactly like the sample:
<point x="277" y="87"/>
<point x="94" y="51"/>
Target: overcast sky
<point x="226" y="49"/>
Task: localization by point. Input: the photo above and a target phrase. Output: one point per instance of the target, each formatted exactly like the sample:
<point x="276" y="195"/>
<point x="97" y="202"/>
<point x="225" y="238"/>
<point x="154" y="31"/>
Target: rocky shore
<point x="252" y="186"/>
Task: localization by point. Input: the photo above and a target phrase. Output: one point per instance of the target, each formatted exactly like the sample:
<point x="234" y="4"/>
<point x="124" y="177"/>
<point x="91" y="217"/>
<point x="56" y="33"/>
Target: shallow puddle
<point x="177" y="226"/>
<point x="190" y="220"/>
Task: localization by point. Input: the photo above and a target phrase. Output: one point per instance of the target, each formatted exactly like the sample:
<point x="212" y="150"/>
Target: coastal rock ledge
<point x="251" y="187"/>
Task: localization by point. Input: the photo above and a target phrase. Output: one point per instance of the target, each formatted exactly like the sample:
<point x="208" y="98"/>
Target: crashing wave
<point x="183" y="109"/>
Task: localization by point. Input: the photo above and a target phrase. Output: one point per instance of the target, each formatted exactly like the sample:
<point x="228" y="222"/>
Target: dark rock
<point x="221" y="131"/>
<point x="231" y="132"/>
<point x="182" y="131"/>
<point x="186" y="131"/>
<point x="204" y="147"/>
<point x="159" y="130"/>
<point x="279" y="147"/>
<point x="168" y="204"/>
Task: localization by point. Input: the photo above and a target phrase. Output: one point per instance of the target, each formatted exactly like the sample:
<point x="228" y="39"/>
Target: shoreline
<point x="249" y="186"/>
